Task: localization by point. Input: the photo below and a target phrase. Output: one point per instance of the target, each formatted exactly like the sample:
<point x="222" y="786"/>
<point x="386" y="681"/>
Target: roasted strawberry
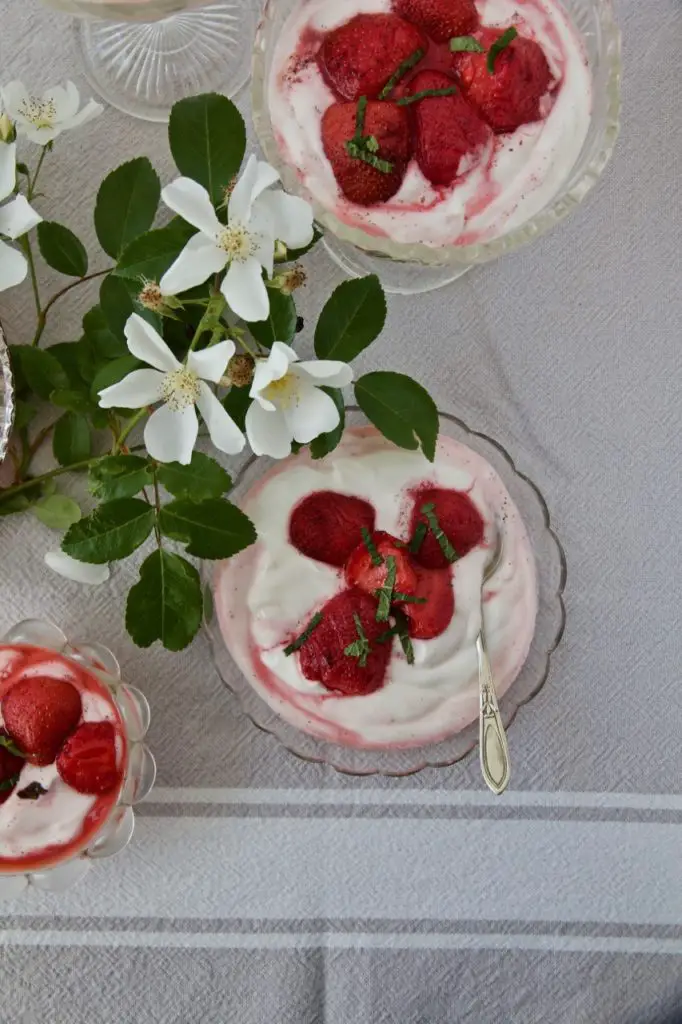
<point x="458" y="518"/>
<point x="39" y="713"/>
<point x="323" y="656"/>
<point x="361" y="571"/>
<point x="360" y="57"/>
<point x="327" y="526"/>
<point x="511" y="95"/>
<point x="440" y="19"/>
<point x="433" y="616"/>
<point x="446" y="128"/>
<point x="10" y="766"/>
<point x="87" y="761"/>
<point x="389" y="128"/>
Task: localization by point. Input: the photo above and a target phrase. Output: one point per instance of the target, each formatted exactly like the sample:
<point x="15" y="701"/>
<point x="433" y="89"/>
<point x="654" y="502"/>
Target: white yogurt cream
<point x="516" y="178"/>
<point x="269" y="592"/>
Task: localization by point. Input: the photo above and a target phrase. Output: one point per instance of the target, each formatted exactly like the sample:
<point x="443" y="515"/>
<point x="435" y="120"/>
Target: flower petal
<point x="40" y="136"/>
<point x="291" y="217"/>
<point x="268" y="432"/>
<point x="198" y="260"/>
<point x="79" y="572"/>
<point x="274" y="367"/>
<point x="141" y="387"/>
<point x="330" y="372"/>
<point x="193" y="203"/>
<point x="147" y="344"/>
<point x="8" y="168"/>
<point x="313" y="413"/>
<point x="245" y="291"/>
<point x="263" y="239"/>
<point x="256" y="176"/>
<point x="13" y="96"/>
<point x="66" y="100"/>
<point x="224" y="432"/>
<point x="90" y="110"/>
<point x="211" y="363"/>
<point x="170" y="435"/>
<point x="17" y="218"/>
<point x="13" y="267"/>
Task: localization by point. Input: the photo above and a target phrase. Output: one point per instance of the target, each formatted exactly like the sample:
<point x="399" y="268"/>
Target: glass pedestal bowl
<point x="551" y="577"/>
<point x="6" y="397"/>
<point x="142" y="56"/>
<point x="139" y="770"/>
<point x="417" y="267"/>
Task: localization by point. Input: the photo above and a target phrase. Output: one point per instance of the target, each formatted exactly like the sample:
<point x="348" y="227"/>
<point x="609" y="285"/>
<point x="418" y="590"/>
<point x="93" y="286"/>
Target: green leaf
<point x="166" y="604"/>
<point x="41" y="371"/>
<point x="127" y="202"/>
<point x="280" y="324"/>
<point x="326" y="443"/>
<point x="352" y="318"/>
<point x="113" y="531"/>
<point x="112" y="373"/>
<point x="24" y="414"/>
<point x="57" y="511"/>
<point x="105" y="344"/>
<point x="207" y="138"/>
<point x="466" y="44"/>
<point x="12" y="504"/>
<point x="71" y="441"/>
<point x="150" y="255"/>
<point x="70" y="355"/>
<point x="203" y="478"/>
<point x="119" y="476"/>
<point x="61" y="249"/>
<point x="236" y="403"/>
<point x="211" y="529"/>
<point x="400" y="408"/>
<point x="116" y="303"/>
<point x="297" y="254"/>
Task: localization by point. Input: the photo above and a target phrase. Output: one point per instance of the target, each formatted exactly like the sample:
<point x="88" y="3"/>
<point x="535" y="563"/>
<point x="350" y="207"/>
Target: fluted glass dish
<point x="6" y="397"/>
<point x="551" y="574"/>
<point x="416" y="267"/>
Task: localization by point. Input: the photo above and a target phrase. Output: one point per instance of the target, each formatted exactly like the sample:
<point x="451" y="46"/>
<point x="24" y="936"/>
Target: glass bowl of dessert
<point x="373" y="674"/>
<point x="142" y="56"/>
<point x="433" y="135"/>
<point x="73" y="761"/>
<point x="6" y="397"/>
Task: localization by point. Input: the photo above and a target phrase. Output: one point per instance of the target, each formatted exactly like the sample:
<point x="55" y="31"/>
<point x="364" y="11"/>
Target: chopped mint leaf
<point x="371" y="547"/>
<point x="466" y="44"/>
<point x="10" y="783"/>
<point x="371" y="144"/>
<point x="400" y="72"/>
<point x="402" y="626"/>
<point x="385" y="593"/>
<point x="401" y="598"/>
<point x="358" y="152"/>
<point x="426" y="94"/>
<point x="305" y="635"/>
<point x="11" y="746"/>
<point x="444" y="544"/>
<point x="420" y="532"/>
<point x="32" y="792"/>
<point x="388" y="634"/>
<point x="360" y="117"/>
<point x="500" y="44"/>
<point x="360" y="648"/>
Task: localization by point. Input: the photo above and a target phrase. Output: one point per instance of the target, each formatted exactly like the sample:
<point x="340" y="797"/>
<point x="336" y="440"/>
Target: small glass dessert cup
<point x="410" y="267"/>
<point x="82" y="828"/>
<point x="365" y="749"/>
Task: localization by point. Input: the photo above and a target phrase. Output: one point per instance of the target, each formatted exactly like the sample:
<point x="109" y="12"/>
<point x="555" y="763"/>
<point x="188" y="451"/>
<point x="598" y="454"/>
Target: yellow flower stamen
<point x="180" y="388"/>
<point x="41" y="113"/>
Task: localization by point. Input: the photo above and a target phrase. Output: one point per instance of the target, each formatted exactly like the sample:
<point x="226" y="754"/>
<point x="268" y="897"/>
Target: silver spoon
<point x="493" y="748"/>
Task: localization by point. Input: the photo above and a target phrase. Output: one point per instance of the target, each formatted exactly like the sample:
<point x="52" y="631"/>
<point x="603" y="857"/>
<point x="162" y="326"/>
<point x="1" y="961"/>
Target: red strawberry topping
<point x="446" y="128"/>
<point x="511" y="95"/>
<point x="87" y="761"/>
<point x="359" y="57"/>
<point x="459" y="519"/>
<point x="389" y="126"/>
<point x="39" y="713"/>
<point x="433" y="617"/>
<point x="362" y="573"/>
<point x="10" y="766"/>
<point x="327" y="526"/>
<point x="441" y="19"/>
<point x="323" y="657"/>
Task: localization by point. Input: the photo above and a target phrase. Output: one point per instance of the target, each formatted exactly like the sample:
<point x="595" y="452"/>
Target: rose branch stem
<point x="28" y="252"/>
<point x="59" y="471"/>
<point x="33" y="181"/>
<point x="128" y="427"/>
<point x="42" y="315"/>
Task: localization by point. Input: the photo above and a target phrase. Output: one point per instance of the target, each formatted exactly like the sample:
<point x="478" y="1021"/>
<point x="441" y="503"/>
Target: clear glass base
<point x="143" y="69"/>
<point x="396" y="278"/>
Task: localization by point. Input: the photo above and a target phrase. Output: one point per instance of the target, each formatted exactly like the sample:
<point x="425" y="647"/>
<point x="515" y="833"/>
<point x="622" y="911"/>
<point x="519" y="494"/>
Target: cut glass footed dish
<point x="357" y="760"/>
<point x="6" y="397"/>
<point x="59" y="871"/>
<point x="416" y="267"/>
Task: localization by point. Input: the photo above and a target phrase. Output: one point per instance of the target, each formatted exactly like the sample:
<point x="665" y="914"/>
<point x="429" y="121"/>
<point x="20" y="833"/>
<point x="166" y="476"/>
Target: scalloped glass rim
<point x="577" y="187"/>
<point x="6" y="397"/>
<point x="552" y="571"/>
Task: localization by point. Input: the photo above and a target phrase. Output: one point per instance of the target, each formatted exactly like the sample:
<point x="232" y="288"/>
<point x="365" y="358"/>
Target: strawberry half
<point x="39" y="713"/>
<point x="446" y="128"/>
<point x="363" y="574"/>
<point x="440" y="19"/>
<point x="322" y="657"/>
<point x="10" y="766"/>
<point x="389" y="125"/>
<point x="459" y="519"/>
<point x="87" y="761"/>
<point x="434" y="616"/>
<point x="359" y="58"/>
<point x="511" y="95"/>
<point x="327" y="526"/>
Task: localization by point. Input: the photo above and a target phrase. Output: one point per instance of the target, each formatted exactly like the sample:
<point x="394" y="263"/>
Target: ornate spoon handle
<point x="493" y="748"/>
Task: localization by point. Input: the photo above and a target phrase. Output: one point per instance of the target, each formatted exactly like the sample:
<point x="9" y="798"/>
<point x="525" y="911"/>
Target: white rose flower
<point x="16" y="218"/>
<point x="42" y="118"/>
